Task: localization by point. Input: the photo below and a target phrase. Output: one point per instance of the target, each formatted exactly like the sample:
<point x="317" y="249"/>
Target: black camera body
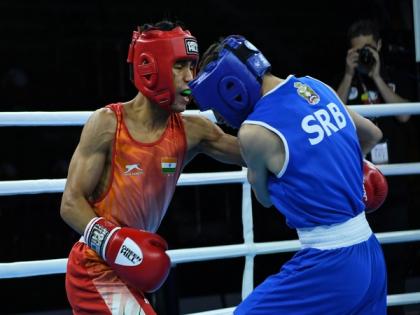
<point x="366" y="58"/>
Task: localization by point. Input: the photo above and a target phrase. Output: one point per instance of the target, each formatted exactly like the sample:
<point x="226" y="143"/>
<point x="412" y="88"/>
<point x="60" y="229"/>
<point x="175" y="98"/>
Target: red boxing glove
<point x="375" y="187"/>
<point x="138" y="257"/>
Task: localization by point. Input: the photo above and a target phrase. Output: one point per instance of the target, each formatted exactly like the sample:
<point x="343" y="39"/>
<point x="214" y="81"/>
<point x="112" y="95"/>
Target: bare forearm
<point x="368" y="144"/>
<point x="225" y="150"/>
<point x="232" y="155"/>
<point x="367" y="132"/>
<point x="76" y="212"/>
<point x="369" y="137"/>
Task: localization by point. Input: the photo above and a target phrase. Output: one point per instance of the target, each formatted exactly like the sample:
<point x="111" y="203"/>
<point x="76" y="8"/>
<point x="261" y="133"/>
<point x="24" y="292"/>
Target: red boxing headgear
<point x="153" y="54"/>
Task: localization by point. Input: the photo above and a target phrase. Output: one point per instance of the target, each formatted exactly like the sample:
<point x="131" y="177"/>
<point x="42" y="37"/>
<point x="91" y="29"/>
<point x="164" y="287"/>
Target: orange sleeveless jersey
<point x="144" y="175"/>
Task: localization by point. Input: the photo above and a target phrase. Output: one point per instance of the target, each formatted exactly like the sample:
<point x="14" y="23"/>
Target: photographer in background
<point x="364" y="80"/>
<point x="367" y="80"/>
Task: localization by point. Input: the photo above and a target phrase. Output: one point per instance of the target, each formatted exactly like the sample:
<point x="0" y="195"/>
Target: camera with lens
<point x="366" y="58"/>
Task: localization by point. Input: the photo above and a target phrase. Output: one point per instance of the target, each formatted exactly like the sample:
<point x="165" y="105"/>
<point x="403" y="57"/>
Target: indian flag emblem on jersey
<point x="168" y="165"/>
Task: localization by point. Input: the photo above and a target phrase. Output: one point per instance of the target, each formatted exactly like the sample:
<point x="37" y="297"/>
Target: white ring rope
<point x="249" y="249"/>
<point x="389" y="109"/>
<point x="9" y="119"/>
<point x="80" y="118"/>
<point x="39" y="186"/>
<point x="186" y="255"/>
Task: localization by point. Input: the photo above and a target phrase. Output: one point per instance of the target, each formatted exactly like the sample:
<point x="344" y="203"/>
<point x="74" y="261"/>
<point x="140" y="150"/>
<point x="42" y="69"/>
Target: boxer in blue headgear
<point x="231" y="84"/>
<point x="304" y="154"/>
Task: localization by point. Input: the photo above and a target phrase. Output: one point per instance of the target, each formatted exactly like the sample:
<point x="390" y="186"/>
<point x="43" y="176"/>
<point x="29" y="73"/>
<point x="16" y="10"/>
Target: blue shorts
<point x="347" y="280"/>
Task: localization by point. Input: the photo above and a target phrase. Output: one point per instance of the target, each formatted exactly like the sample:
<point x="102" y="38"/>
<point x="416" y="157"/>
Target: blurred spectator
<point x="367" y="81"/>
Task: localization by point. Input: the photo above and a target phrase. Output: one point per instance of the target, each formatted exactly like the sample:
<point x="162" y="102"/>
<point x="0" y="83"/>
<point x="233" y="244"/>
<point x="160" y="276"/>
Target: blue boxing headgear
<point x="231" y="84"/>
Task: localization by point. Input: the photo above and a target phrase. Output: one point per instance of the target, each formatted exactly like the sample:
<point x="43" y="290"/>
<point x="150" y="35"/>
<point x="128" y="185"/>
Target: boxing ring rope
<point x="62" y="118"/>
<point x="79" y="118"/>
<point x="248" y="249"/>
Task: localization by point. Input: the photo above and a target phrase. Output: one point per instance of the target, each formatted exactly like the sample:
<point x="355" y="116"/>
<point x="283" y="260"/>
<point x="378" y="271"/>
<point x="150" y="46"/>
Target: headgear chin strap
<point x="231" y="84"/>
<point x="152" y="54"/>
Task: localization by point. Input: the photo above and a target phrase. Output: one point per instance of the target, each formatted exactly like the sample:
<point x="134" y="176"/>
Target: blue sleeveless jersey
<point x="321" y="182"/>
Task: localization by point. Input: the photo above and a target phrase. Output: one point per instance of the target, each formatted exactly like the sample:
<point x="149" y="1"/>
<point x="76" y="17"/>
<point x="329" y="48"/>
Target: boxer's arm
<point x="203" y="136"/>
<point x="86" y="167"/>
<point x="263" y="152"/>
<point x="367" y="132"/>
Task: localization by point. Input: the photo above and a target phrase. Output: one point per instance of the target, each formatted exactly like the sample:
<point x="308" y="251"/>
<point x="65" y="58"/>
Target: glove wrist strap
<point x="97" y="234"/>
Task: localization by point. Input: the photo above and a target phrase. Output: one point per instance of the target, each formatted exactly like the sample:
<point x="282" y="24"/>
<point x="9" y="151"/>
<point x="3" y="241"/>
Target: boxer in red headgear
<point x="152" y="55"/>
<point x="124" y="172"/>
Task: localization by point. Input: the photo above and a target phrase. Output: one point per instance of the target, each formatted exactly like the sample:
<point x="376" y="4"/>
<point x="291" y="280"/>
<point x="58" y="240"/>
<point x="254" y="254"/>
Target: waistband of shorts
<point x="354" y="231"/>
